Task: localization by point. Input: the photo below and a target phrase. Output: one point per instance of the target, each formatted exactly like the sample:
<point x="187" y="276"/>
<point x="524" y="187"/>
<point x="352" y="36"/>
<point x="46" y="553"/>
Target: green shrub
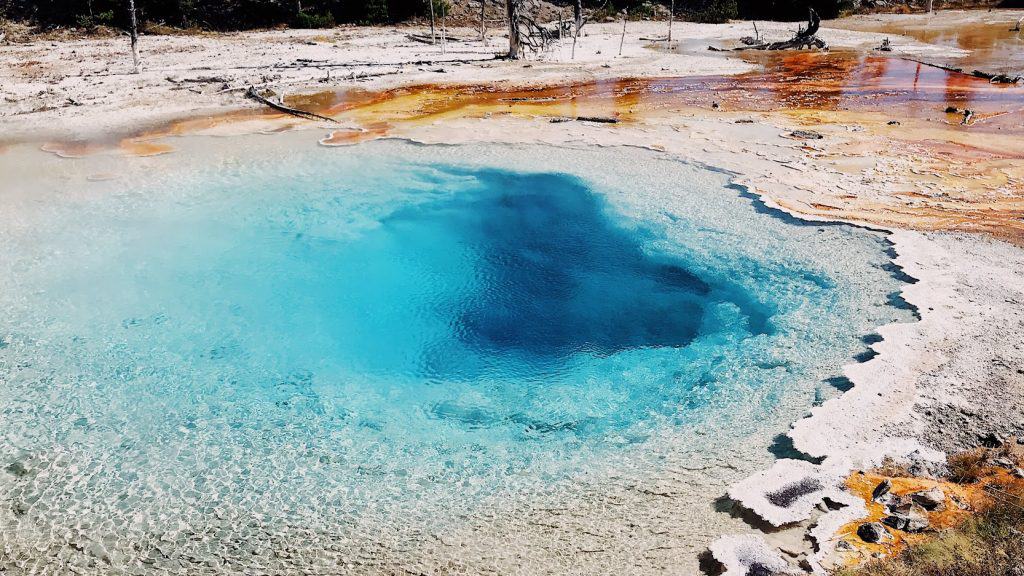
<point x="713" y="11"/>
<point x="306" y="20"/>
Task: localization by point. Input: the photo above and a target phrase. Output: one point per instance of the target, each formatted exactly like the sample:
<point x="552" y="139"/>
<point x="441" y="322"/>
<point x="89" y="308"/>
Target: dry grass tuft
<point x="969" y="466"/>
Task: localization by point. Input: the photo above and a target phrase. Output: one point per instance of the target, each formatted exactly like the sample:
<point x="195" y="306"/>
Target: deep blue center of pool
<point x="525" y="268"/>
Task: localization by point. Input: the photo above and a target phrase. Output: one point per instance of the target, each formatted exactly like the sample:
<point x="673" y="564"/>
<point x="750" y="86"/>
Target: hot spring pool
<point x="396" y="356"/>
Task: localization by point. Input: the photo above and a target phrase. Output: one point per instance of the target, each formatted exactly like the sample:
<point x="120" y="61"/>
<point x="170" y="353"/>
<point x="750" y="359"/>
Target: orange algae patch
<point x="962" y="501"/>
<point x="801" y="83"/>
<point x="348" y="137"/>
<point x="144" y="148"/>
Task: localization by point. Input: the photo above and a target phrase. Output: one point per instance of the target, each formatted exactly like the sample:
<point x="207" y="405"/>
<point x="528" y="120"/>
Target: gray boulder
<point x="872" y="532"/>
<point x="911" y="522"/>
<point x="934" y="499"/>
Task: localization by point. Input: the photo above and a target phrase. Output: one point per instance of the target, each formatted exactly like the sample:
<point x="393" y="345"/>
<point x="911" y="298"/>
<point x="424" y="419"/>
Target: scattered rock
<point x="993" y="440"/>
<point x="806" y="135"/>
<point x="844" y="545"/>
<point x="933" y="499"/>
<point x="894" y="122"/>
<point x="1004" y="463"/>
<point x="907" y="522"/>
<point x="17" y="469"/>
<point x="872" y="532"/>
<point x="882" y="489"/>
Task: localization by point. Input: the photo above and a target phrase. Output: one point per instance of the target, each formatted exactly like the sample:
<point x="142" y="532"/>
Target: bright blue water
<point x="338" y="332"/>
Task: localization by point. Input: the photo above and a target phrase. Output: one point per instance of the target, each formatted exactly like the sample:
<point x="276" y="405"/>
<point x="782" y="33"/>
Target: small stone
<point x="806" y="134"/>
<point x="1018" y="473"/>
<point x="872" y="532"/>
<point x="17" y="469"/>
<point x="907" y="522"/>
<point x="882" y="489"/>
<point x="993" y="440"/>
<point x="930" y="499"/>
<point x="844" y="545"/>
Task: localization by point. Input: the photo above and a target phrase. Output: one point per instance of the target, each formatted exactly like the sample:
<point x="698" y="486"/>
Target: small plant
<point x="93" y="21"/>
<point x="307" y="20"/>
<point x="967" y="467"/>
<point x="713" y="11"/>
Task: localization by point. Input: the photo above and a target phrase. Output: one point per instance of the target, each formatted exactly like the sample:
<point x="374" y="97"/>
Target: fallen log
<point x="993" y="78"/>
<point x="429" y="40"/>
<point x="804" y="38"/>
<point x="253" y="94"/>
<point x="595" y="119"/>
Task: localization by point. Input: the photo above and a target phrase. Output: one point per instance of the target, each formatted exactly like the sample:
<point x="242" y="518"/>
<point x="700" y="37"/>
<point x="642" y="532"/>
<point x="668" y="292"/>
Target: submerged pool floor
<point x="341" y="359"/>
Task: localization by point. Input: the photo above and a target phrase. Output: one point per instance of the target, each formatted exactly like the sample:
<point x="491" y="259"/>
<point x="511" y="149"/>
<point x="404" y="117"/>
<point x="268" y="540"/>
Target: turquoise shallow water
<point x="397" y="334"/>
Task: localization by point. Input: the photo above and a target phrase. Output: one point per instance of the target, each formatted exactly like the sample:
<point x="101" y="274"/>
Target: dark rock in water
<point x="906" y="522"/>
<point x="17" y="468"/>
<point x="993" y="440"/>
<point x="872" y="532"/>
<point x="882" y="489"/>
<point x="930" y="499"/>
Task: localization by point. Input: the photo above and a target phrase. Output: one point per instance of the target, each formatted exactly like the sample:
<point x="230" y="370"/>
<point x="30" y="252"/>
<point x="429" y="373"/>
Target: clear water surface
<point x="393" y="335"/>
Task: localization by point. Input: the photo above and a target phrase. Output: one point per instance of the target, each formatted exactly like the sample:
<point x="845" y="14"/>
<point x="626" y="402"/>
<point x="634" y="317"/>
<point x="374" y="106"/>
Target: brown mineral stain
<point x="812" y="85"/>
<point x="142" y="148"/>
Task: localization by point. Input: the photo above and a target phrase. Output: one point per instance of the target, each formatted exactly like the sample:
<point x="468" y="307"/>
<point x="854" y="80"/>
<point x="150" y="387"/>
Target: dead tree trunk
<point x="622" y="40"/>
<point x="133" y="34"/>
<point x="433" y="37"/>
<point x="805" y="38"/>
<point x="444" y="29"/>
<point x="483" y="21"/>
<point x="930" y="4"/>
<point x="671" y="18"/>
<point x="513" y="7"/>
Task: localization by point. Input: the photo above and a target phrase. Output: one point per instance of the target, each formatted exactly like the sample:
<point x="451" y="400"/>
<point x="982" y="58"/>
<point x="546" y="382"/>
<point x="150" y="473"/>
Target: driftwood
<point x="428" y="40"/>
<point x="804" y="38"/>
<point x="253" y="94"/>
<point x="595" y="119"/>
<point x="993" y="78"/>
<point x="196" y="80"/>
